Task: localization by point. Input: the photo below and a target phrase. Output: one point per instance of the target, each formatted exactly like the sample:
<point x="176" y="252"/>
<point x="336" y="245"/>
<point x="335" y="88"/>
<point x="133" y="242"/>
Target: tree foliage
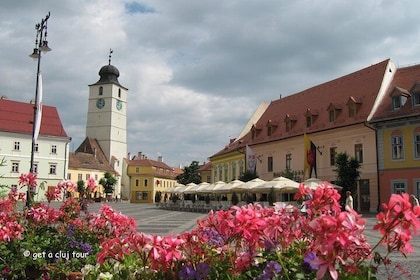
<point x="348" y="173"/>
<point x="80" y="186"/>
<point x="248" y="176"/>
<point x="108" y="182"/>
<point x="190" y="175"/>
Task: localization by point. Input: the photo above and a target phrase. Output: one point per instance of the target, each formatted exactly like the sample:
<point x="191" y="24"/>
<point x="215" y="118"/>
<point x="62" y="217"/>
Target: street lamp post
<point x="41" y="45"/>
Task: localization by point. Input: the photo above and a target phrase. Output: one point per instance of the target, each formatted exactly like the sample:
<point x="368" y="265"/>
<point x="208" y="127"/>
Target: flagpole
<point x="41" y="45"/>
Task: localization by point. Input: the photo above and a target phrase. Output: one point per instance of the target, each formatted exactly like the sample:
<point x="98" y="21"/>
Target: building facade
<point x="148" y="177"/>
<point x="89" y="161"/>
<point x="51" y="148"/>
<point x="397" y="122"/>
<point x="335" y="116"/>
<point x="205" y="172"/>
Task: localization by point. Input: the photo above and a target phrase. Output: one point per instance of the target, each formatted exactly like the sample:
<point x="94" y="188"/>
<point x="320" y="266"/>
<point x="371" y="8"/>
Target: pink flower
<point x="9" y="227"/>
<point x="43" y="214"/>
<point x="66" y="185"/>
<point x="28" y="180"/>
<point x="53" y="194"/>
<point x="91" y="185"/>
<point x="396" y="221"/>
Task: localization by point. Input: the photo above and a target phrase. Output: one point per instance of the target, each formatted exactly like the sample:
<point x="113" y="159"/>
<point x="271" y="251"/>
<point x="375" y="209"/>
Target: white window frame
<point x="358" y="153"/>
<point x="398" y="186"/>
<point x="417" y="187"/>
<point x="416" y="143"/>
<point x="53" y="169"/>
<point x="15" y="167"/>
<point x="397" y="147"/>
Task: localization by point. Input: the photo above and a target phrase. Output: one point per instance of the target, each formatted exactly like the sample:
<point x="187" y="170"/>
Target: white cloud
<point x="196" y="70"/>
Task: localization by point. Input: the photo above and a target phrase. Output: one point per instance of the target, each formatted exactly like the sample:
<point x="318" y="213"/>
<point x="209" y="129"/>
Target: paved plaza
<point x="153" y="220"/>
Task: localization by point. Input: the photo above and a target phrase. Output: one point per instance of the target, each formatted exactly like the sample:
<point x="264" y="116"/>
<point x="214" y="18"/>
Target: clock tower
<point x="107" y="117"/>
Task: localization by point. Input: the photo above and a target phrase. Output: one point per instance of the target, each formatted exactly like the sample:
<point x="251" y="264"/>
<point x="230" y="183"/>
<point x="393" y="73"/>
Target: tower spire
<point x="110" y="53"/>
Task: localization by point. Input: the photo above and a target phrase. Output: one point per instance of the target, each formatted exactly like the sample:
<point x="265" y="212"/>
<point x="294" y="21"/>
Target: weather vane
<point x="110" y="53"/>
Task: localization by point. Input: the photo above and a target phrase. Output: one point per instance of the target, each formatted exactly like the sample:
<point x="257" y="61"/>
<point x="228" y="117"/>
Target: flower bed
<point x="249" y="242"/>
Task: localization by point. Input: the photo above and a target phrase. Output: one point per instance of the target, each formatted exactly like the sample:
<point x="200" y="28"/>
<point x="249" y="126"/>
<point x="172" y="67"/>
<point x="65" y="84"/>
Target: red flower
<point x="396" y="221"/>
<point x="28" y="180"/>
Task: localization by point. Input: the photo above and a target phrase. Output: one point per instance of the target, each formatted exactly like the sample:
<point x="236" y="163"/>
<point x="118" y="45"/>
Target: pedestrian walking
<point x="414" y="200"/>
<point x="349" y="200"/>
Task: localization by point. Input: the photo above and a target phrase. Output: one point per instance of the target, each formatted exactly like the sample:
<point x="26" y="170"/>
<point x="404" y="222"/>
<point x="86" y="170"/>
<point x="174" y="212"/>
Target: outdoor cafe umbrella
<point x="314" y="183"/>
<point x="280" y="184"/>
<point x="226" y="187"/>
<point x="201" y="186"/>
<point x="179" y="188"/>
<point x="246" y="187"/>
<point x="209" y="188"/>
<point x="171" y="190"/>
<point x="190" y="188"/>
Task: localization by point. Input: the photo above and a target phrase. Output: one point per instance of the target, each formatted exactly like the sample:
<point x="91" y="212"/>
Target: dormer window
<point x="308" y="121"/>
<point x="396" y="102"/>
<point x="334" y="111"/>
<point x="353" y="105"/>
<point x="271" y="127"/>
<point x="415" y="94"/>
<point x="399" y="97"/>
<point x="416" y="98"/>
<point x="255" y="130"/>
<point x="290" y="122"/>
<point x="310" y="115"/>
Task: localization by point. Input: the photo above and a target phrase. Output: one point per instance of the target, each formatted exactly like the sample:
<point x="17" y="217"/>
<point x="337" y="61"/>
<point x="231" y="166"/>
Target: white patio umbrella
<point x="246" y="187"/>
<point x="314" y="183"/>
<point x="201" y="186"/>
<point x="227" y="187"/>
<point x="209" y="188"/>
<point x="190" y="188"/>
<point x="280" y="184"/>
<point x="179" y="188"/>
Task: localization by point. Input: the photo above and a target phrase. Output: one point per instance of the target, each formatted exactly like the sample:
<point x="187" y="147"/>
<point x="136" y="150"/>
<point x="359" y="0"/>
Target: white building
<point x="51" y="148"/>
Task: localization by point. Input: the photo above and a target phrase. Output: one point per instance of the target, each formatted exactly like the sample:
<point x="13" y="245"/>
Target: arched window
<point x="101" y="90"/>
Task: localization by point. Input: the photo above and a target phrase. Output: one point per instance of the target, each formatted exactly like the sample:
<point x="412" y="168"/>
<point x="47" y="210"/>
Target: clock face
<point x="119" y="105"/>
<point x="100" y="103"/>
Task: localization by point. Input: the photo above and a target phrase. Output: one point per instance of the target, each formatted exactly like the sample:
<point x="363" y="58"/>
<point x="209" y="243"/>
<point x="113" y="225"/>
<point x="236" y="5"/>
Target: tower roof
<point x="109" y="74"/>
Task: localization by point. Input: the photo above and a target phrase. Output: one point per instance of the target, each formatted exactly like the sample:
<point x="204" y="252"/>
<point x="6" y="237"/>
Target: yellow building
<point x="148" y="177"/>
<point x="205" y="172"/>
<point x="397" y="121"/>
<point x="228" y="166"/>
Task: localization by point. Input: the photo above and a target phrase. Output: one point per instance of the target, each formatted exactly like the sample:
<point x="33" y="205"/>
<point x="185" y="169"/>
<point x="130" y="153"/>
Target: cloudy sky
<point x="196" y="70"/>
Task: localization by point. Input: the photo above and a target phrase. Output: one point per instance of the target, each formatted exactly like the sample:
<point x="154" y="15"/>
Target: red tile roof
<point x="157" y="164"/>
<point x="206" y="167"/>
<point x="404" y="80"/>
<point x="362" y="86"/>
<point x="149" y="162"/>
<point x="89" y="155"/>
<point x="17" y="117"/>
